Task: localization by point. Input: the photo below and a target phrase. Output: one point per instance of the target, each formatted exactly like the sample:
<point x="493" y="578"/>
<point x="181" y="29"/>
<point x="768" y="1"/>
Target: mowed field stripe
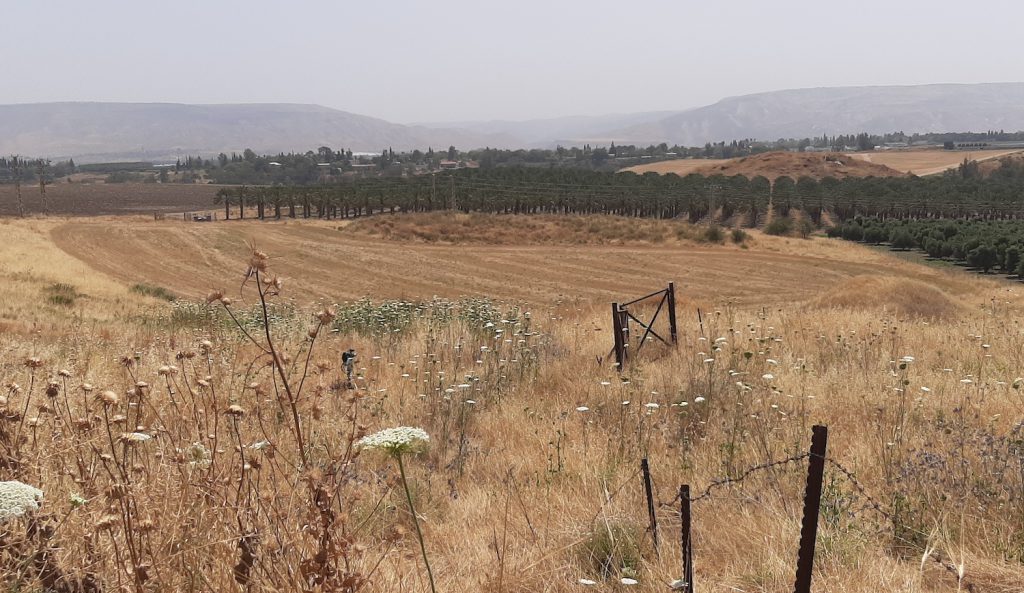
<point x="319" y="261"/>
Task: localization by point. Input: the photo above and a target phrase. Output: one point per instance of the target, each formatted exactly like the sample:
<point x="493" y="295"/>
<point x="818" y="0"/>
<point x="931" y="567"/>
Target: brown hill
<point x="800" y="164"/>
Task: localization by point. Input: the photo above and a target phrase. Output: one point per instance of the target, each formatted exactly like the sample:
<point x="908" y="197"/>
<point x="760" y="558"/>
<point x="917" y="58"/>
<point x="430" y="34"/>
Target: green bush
<point x="713" y="234"/>
<point x="780" y="225"/>
<point x="739" y="236"/>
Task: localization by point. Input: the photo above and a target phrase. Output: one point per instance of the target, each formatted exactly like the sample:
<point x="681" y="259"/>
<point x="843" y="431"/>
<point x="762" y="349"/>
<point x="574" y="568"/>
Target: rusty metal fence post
<point x="648" y="491"/>
<point x="687" y="537"/>
<point x="812" y="504"/>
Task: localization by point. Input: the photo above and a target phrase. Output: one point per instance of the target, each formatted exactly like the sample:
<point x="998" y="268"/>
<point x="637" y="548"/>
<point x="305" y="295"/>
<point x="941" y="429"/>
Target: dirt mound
<point x="904" y="297"/>
<point x="817" y="165"/>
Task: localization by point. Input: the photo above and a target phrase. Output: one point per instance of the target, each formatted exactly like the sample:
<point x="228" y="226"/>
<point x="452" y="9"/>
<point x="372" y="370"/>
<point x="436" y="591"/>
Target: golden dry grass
<point x="928" y="162"/>
<point x="518" y="490"/>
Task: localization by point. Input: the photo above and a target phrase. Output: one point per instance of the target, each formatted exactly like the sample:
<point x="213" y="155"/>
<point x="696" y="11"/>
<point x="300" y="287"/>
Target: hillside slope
<point x="161" y="130"/>
<point x="846" y="110"/>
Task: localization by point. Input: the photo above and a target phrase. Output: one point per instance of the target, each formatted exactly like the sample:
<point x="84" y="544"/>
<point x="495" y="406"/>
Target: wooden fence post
<point x="620" y="354"/>
<point x="812" y="503"/>
<point x="648" y="491"/>
<point x="687" y="537"/>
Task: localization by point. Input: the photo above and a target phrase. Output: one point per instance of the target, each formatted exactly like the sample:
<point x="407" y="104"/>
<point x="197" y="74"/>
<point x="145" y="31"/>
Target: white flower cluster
<point x="17" y="498"/>
<point x="395" y="440"/>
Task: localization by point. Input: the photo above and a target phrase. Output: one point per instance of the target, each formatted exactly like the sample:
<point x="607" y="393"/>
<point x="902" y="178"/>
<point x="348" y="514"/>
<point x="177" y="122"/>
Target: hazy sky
<point x="455" y="60"/>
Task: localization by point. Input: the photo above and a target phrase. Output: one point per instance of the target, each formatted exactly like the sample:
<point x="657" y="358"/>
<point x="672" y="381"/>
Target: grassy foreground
<point x="190" y="447"/>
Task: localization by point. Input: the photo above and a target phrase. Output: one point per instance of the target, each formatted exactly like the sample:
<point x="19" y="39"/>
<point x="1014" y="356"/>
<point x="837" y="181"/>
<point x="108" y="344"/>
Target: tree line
<point x="530" y="190"/>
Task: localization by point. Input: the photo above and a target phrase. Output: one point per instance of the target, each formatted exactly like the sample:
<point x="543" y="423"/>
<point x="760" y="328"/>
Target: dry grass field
<point x="882" y="163"/>
<point x="178" y="451"/>
<point x="928" y="162"/>
<point x="775" y="164"/>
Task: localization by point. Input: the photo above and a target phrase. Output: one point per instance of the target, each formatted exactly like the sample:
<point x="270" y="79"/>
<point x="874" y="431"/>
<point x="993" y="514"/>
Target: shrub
<point x="62" y="294"/>
<point x="902" y="239"/>
<point x="805" y="227"/>
<point x="780" y="225"/>
<point x="739" y="236"/>
<point x="158" y="292"/>
<point x="713" y="234"/>
<point x="612" y="550"/>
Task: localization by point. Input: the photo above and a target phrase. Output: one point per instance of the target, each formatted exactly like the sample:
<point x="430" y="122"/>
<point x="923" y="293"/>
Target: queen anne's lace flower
<point x="17" y="498"/>
<point x="395" y="441"/>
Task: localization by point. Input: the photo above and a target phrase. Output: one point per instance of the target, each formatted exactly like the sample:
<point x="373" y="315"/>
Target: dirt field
<point x="882" y="163"/>
<point x="928" y="162"/>
<point x="94" y="199"/>
<point x="325" y="260"/>
<point x="776" y="164"/>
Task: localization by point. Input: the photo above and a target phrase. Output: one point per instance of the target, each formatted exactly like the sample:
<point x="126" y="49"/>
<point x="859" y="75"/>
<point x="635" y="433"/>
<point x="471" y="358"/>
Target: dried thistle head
<point x="34" y="362"/>
<point x="214" y="296"/>
<point x="52" y="389"/>
<point x="326" y="316"/>
<point x="235" y="410"/>
<point x="108" y="398"/>
<point x="205" y="346"/>
<point x="128" y="361"/>
<point x="64" y="373"/>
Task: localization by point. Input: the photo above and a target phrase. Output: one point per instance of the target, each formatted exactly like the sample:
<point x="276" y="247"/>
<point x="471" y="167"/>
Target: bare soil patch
<point x="96" y="199"/>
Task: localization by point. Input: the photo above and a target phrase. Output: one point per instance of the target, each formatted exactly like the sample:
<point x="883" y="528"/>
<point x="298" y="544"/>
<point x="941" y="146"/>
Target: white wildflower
<point x="698" y="400"/>
<point x="395" y="441"/>
<point x="17" y="498"/>
<point x="583" y="409"/>
<point x="136" y="437"/>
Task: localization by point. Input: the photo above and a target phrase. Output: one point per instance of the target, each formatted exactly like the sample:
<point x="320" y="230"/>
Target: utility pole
<point x="42" y="186"/>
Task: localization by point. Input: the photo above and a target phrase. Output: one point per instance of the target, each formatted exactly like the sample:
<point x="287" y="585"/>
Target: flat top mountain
<point x="99" y="131"/>
<point x="161" y="130"/>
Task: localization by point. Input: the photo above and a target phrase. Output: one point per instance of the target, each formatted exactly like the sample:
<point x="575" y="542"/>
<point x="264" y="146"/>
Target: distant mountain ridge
<point x="154" y="131"/>
<point x="94" y="131"/>
<point x="797" y="113"/>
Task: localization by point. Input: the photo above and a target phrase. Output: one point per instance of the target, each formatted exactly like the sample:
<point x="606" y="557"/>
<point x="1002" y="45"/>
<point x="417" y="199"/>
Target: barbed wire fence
<point x="817" y="456"/>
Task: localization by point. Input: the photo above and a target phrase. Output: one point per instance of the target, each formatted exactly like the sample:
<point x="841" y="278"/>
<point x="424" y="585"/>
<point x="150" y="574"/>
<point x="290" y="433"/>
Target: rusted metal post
<point x="672" y="311"/>
<point x="687" y="537"/>
<point x="812" y="503"/>
<point x="648" y="491"/>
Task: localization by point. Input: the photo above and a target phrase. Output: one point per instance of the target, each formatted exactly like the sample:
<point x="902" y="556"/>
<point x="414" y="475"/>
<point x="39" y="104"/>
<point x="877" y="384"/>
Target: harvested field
<point x="95" y="199"/>
<point x="223" y="467"/>
<point x="928" y="162"/>
<point x="336" y="262"/>
<point x="772" y="165"/>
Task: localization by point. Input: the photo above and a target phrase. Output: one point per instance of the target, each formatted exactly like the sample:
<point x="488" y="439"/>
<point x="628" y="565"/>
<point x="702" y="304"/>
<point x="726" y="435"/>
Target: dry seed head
<point x="127" y="361"/>
<point x="52" y="389"/>
<point x="205" y="346"/>
<point x="64" y="373"/>
<point x="108" y="398"/>
<point x="106" y="522"/>
<point x="87" y="387"/>
<point x="326" y="315"/>
<point x="235" y="410"/>
<point x="34" y="362"/>
<point x="214" y="296"/>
